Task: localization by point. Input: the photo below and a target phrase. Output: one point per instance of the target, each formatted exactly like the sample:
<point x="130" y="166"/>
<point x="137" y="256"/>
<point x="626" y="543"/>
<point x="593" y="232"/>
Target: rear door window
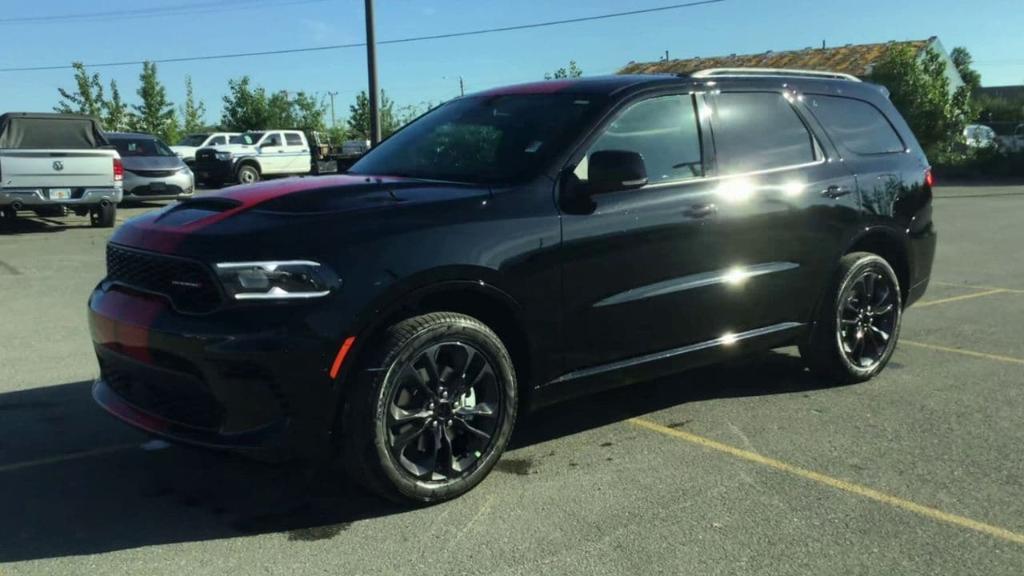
<point x="859" y="126"/>
<point x="293" y="139"/>
<point x="756" y="131"/>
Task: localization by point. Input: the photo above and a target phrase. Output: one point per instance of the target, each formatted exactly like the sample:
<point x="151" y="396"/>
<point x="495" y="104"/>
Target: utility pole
<point x="462" y="85"/>
<point x="332" y="95"/>
<point x="371" y="65"/>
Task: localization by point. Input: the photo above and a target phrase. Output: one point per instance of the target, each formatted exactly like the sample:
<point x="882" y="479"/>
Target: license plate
<point x="60" y="193"/>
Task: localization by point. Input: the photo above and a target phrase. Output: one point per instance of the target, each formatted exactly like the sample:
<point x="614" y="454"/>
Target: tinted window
<point x="293" y="139"/>
<point x="272" y="140"/>
<point x="859" y="126"/>
<point x="759" y="131"/>
<point x="218" y="141"/>
<point x="664" y="131"/>
<point x="140" y="147"/>
<point x="489" y="138"/>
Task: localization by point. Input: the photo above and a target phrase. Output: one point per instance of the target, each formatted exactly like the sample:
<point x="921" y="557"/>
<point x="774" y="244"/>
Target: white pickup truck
<point x="187" y="147"/>
<point x="254" y="156"/>
<point x="53" y="163"/>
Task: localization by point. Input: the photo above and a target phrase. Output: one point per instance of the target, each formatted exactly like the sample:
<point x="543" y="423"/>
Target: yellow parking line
<point x="927" y="303"/>
<point x="985" y="355"/>
<point x="977" y="287"/>
<point x="845" y="486"/>
<point x="65" y="457"/>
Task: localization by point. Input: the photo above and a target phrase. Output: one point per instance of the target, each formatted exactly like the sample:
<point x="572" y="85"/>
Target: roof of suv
<point x="612" y="85"/>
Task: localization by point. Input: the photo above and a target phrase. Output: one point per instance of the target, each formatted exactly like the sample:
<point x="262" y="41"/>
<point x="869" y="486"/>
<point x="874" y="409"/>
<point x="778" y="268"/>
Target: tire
<point x="103" y="216"/>
<point x="411" y="460"/>
<point x="248" y="174"/>
<point x="858" y="324"/>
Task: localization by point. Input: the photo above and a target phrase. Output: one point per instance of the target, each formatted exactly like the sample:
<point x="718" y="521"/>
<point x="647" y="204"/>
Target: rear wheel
<point x="103" y="216"/>
<point x="433" y="423"/>
<point x="248" y="174"/>
<point x="859" y="324"/>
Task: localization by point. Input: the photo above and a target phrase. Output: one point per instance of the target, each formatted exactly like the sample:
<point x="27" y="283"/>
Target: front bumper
<point x="249" y="382"/>
<point x="139" y="187"/>
<point x="35" y="197"/>
<point x="213" y="170"/>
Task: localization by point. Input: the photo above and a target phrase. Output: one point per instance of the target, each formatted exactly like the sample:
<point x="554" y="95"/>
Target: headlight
<point x="276" y="280"/>
<point x="223" y="155"/>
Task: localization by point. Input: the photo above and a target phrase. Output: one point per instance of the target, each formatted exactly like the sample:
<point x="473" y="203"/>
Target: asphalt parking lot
<point x="754" y="468"/>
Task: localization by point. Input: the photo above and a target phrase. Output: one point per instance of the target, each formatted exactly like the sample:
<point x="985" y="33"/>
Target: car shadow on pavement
<point x="75" y="481"/>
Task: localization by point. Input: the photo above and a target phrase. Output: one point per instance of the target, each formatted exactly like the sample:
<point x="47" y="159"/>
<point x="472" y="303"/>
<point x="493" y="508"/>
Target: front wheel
<point x="248" y="174"/>
<point x="859" y="323"/>
<point x="433" y="422"/>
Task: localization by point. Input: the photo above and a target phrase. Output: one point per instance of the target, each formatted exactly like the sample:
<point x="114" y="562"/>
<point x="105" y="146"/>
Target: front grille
<point x="188" y="284"/>
<point x="206" y="154"/>
<point x="180" y="399"/>
<point x="154" y="173"/>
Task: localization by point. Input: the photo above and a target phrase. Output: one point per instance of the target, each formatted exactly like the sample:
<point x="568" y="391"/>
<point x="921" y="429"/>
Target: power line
<point x="169" y="10"/>
<point x="362" y="44"/>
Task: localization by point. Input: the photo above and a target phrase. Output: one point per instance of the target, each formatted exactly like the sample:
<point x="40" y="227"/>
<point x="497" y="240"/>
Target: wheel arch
<point x="892" y="247"/>
<point x="473" y="297"/>
<point x="250" y="161"/>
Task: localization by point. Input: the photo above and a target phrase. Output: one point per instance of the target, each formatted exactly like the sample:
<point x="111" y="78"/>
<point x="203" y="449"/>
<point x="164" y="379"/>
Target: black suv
<point x="511" y="249"/>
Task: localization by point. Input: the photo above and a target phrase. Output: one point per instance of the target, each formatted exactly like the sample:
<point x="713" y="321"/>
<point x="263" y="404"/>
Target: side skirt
<point x="658" y="364"/>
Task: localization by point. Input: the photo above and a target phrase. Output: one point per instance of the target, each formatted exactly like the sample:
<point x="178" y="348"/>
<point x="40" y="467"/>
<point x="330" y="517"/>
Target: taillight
<point x="929" y="178"/>
<point x="118" y="170"/>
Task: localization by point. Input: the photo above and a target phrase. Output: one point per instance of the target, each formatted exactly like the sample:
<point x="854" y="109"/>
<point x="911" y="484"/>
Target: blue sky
<point x="993" y="30"/>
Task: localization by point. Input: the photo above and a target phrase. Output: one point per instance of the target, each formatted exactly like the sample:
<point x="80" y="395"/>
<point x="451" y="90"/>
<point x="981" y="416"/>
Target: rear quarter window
<point x="857" y="125"/>
<point x="755" y="131"/>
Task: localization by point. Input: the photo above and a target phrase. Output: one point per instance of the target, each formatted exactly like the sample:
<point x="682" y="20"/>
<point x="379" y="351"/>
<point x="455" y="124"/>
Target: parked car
<point x="979" y="136"/>
<point x="53" y="163"/>
<point x="152" y="170"/>
<point x="252" y="156"/>
<point x="187" y="146"/>
<point x="1013" y="142"/>
<point x="513" y="249"/>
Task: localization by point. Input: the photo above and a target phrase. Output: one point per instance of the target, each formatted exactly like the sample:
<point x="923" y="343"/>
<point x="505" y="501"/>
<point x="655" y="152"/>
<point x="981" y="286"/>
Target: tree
<point x="963" y="61"/>
<point x="192" y="112"/>
<point x="921" y="91"/>
<point x="245" y="107"/>
<point x="155" y="114"/>
<point x="573" y="71"/>
<point x="86" y="99"/>
<point x="358" y="123"/>
<point x="116" y="115"/>
<point x="308" y="113"/>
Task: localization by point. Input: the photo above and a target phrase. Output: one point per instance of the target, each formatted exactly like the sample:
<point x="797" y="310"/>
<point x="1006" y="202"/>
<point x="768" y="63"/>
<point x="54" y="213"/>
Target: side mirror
<point x="614" y="170"/>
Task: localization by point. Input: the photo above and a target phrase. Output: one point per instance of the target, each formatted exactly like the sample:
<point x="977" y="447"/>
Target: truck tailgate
<point x="52" y="169"/>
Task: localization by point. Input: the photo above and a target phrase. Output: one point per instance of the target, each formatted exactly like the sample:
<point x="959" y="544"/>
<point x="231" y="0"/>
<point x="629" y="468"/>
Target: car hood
<point x="235" y="148"/>
<point x="265" y="219"/>
<point x="151" y="162"/>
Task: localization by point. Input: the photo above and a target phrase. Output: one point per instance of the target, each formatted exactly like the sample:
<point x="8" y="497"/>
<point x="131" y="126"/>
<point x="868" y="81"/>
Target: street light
<point x="462" y="85"/>
<point x="371" y="65"/>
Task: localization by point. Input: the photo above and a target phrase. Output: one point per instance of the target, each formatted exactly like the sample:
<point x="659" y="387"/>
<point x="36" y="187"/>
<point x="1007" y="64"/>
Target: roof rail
<point x="772" y="72"/>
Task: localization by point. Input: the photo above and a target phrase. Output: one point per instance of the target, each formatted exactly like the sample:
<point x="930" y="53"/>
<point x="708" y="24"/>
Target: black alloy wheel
<point x="431" y="410"/>
<point x="443" y="414"/>
<point x="866" y="318"/>
<point x="858" y="322"/>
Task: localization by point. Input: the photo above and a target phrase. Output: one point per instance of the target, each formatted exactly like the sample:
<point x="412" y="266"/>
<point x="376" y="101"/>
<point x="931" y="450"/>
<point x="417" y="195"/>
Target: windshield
<point x="501" y="138"/>
<point x="140" y="147"/>
<point x="193" y="140"/>
<point x="249" y="138"/>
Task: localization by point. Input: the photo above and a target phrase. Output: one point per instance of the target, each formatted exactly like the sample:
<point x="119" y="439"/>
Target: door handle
<point x="835" y="191"/>
<point x="701" y="210"/>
